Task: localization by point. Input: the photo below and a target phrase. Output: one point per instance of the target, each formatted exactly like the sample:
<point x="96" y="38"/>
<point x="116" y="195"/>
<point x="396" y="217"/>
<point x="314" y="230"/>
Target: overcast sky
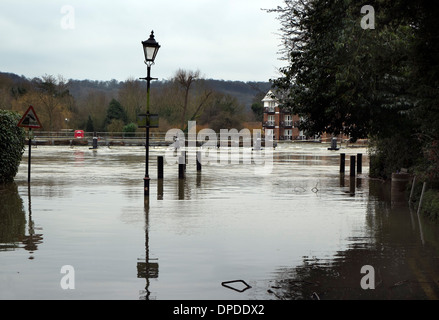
<point x="101" y="40"/>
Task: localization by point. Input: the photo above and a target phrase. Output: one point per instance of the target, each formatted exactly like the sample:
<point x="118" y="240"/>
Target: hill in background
<point x="245" y="92"/>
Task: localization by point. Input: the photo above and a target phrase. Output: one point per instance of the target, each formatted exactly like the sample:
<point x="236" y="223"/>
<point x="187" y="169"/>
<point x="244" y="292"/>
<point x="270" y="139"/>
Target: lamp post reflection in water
<point x="147" y="269"/>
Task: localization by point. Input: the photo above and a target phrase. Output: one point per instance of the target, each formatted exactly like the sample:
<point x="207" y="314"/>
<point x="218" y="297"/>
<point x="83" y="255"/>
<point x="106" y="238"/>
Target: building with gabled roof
<point x="281" y="124"/>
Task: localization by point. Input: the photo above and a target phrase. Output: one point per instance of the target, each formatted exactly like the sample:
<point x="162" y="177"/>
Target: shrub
<point x="115" y="126"/>
<point x="391" y="154"/>
<point x="430" y="204"/>
<point x="129" y="130"/>
<point x="12" y="140"/>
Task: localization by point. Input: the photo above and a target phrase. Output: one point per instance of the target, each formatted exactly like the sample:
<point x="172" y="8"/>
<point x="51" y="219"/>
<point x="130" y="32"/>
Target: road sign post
<point x="31" y="121"/>
<point x="29" y="157"/>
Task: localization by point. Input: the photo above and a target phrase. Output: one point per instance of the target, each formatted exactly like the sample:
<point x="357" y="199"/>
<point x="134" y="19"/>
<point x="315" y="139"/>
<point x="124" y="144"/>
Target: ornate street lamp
<point x="150" y="49"/>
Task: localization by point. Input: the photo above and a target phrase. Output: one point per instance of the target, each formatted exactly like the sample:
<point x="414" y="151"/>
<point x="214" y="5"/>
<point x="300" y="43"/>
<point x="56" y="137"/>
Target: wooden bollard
<point x="359" y="162"/>
<point x="160" y="189"/>
<point x="181" y="186"/>
<point x="198" y="160"/>
<point x="342" y="180"/>
<point x="160" y="167"/>
<point x="342" y="162"/>
<point x="359" y="183"/>
<point x="352" y="186"/>
<point x="184" y="157"/>
<point x="352" y="164"/>
<point x="198" y="179"/>
<point x="181" y="168"/>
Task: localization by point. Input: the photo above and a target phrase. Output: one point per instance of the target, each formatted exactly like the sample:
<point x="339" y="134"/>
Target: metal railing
<point x="108" y="138"/>
<point x="104" y="138"/>
<point x="270" y="110"/>
<point x="90" y="135"/>
<point x="269" y="123"/>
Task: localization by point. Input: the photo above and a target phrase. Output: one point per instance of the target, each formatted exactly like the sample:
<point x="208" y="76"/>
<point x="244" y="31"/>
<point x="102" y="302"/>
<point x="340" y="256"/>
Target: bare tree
<point x="94" y="105"/>
<point x="185" y="79"/>
<point x="132" y="96"/>
<point x="55" y="98"/>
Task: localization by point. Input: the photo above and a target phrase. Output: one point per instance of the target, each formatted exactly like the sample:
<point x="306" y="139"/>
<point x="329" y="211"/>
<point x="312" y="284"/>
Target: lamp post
<point x="150" y="49"/>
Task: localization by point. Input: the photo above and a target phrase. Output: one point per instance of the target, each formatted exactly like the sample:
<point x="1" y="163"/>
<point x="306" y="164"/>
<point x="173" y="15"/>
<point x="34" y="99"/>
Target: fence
<point x="107" y="138"/>
<point x="104" y="138"/>
<point x="123" y="138"/>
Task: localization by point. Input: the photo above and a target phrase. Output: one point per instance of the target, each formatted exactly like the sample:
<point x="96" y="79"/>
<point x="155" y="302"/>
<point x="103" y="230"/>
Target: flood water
<point x="298" y="231"/>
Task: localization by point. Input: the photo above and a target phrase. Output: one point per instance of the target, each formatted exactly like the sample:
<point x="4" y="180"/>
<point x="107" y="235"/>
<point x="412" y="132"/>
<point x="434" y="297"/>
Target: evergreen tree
<point x="115" y="111"/>
<point x="89" y="126"/>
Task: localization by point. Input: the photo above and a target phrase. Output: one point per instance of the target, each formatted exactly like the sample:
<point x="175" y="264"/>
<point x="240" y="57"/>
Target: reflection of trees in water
<point x="52" y="188"/>
<point x="340" y="278"/>
<point x="391" y="244"/>
<point x="12" y="217"/>
<point x="13" y="221"/>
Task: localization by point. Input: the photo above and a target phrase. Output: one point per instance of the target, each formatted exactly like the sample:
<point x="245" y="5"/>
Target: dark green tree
<point x="258" y="110"/>
<point x="89" y="127"/>
<point x="379" y="83"/>
<point x="342" y="78"/>
<point x="115" y="111"/>
<point x="257" y="106"/>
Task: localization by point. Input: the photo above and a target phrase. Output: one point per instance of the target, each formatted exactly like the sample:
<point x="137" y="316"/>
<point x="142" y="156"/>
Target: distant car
<point x="79" y="134"/>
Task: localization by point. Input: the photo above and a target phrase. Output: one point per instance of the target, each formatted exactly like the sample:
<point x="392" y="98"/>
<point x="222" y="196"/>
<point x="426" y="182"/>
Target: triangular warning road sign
<point x="30" y="119"/>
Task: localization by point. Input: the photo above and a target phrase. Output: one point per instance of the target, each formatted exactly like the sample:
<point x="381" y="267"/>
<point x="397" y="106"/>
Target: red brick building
<point x="283" y="125"/>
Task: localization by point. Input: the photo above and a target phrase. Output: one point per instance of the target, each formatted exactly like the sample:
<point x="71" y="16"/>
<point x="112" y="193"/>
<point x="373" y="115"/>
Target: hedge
<point x="12" y="141"/>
